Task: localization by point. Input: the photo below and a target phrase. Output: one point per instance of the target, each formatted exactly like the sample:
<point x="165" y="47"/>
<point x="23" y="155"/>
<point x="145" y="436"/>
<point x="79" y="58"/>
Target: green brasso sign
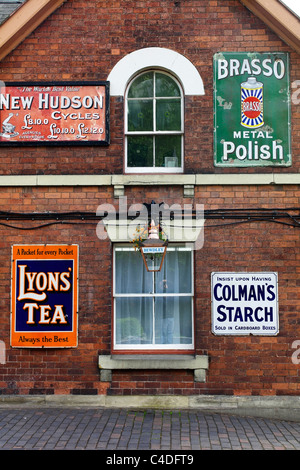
<point x="252" y="109"/>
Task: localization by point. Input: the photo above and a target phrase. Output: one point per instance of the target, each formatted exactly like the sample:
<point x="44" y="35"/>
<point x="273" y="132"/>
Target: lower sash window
<point x="153" y="310"/>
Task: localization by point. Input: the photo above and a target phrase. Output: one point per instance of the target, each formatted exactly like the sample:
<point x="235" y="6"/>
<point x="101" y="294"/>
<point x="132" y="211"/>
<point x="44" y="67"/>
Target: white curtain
<point x="148" y="309"/>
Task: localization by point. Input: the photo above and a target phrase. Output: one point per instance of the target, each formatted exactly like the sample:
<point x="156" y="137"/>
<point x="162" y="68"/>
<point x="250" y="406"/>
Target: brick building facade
<point x="251" y="212"/>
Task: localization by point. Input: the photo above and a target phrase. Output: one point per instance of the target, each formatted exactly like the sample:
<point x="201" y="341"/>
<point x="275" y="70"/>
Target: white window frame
<point x="154" y="169"/>
<point x="153" y="347"/>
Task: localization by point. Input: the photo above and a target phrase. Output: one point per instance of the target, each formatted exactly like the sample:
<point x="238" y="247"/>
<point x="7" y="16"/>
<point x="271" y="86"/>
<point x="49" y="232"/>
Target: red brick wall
<point x="245" y="365"/>
<point x="238" y="365"/>
<point x="83" y="41"/>
<point x="61" y="371"/>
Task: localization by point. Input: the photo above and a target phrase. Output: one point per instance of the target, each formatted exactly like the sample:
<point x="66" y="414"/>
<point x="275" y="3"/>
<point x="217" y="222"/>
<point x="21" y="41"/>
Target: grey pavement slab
<point x="94" y="428"/>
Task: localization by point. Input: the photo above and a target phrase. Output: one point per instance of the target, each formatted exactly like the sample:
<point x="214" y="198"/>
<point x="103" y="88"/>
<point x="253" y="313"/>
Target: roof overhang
<point x="279" y="18"/>
<point x="27" y="17"/>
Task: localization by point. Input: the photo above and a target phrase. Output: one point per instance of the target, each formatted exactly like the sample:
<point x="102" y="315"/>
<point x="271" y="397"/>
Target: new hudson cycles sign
<point x="44" y="296"/>
<point x="54" y="113"/>
<point x="251" y="109"/>
<point x="244" y="303"/>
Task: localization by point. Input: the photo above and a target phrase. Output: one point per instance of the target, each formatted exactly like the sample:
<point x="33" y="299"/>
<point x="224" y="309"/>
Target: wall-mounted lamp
<point x="153" y="250"/>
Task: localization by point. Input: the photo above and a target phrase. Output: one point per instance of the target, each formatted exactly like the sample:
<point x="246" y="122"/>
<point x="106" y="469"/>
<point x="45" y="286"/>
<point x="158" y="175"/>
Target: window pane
<point x="168" y="115"/>
<point x="166" y="86"/>
<point x="142" y="86"/>
<point x="131" y="277"/>
<point x="168" y="150"/>
<point x="175" y="276"/>
<point x="134" y="321"/>
<point x="140" y="151"/>
<point x="140" y="115"/>
<point x="173" y="320"/>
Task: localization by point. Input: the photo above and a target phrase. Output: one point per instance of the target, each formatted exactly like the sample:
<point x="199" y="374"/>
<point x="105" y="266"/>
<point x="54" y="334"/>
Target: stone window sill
<point x="108" y="363"/>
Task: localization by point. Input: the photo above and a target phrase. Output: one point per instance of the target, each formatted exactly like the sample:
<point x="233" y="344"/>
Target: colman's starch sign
<point x="251" y="109"/>
<point x="245" y="303"/>
<point x="44" y="296"/>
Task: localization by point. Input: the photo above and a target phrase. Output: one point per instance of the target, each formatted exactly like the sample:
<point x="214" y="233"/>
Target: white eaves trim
<point x="23" y="21"/>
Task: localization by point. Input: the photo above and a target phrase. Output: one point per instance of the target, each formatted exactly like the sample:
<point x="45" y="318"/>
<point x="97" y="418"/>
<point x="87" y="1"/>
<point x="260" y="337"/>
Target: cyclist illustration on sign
<point x="8" y="129"/>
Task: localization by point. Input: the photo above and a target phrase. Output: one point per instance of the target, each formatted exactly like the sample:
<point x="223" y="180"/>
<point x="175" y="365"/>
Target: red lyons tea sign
<point x="56" y="113"/>
<point x="44" y="296"/>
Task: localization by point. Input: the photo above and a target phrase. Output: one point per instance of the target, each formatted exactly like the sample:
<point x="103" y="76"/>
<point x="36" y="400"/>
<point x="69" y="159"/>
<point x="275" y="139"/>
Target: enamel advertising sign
<point x="251" y="109"/>
<point x="54" y="113"/>
<point x="244" y="303"/>
<point x="44" y="304"/>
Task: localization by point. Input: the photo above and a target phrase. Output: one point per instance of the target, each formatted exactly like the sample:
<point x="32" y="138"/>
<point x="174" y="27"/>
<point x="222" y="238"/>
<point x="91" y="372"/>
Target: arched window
<point x="154" y="124"/>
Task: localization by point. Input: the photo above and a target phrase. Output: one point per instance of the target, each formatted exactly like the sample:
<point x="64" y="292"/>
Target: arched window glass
<point x="154" y="124"/>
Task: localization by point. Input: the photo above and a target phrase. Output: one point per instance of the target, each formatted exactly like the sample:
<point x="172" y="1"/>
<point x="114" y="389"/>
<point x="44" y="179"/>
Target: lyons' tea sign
<point x="251" y="109"/>
<point x="44" y="296"/>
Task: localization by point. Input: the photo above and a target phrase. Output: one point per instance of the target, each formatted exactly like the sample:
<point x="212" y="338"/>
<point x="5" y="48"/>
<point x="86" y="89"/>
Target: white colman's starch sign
<point x="244" y="303"/>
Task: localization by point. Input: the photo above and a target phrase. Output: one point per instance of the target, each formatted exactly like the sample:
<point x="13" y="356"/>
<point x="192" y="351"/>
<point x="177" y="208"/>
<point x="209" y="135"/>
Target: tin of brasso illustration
<point x="252" y="107"/>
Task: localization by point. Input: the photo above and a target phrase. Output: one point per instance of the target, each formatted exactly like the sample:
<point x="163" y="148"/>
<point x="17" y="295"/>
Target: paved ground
<point x="115" y="429"/>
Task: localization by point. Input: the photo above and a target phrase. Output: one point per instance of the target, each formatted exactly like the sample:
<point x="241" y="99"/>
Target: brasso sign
<point x="56" y="113"/>
<point x="251" y="109"/>
<point x="44" y="294"/>
<point x="244" y="303"/>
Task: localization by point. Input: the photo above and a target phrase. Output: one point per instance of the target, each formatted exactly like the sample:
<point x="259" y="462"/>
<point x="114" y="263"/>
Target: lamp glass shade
<point x="153" y="252"/>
